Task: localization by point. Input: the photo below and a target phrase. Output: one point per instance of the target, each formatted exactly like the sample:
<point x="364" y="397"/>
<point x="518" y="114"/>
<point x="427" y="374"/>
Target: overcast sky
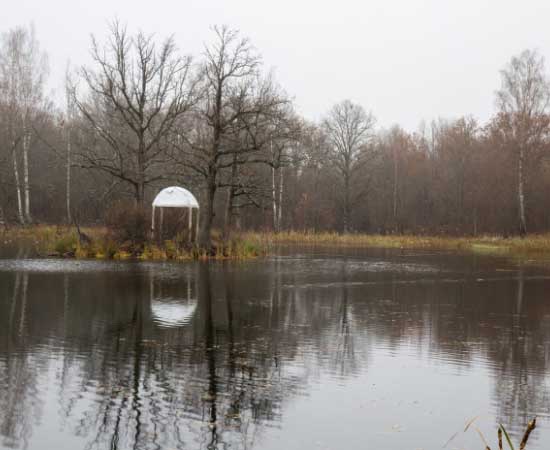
<point x="405" y="60"/>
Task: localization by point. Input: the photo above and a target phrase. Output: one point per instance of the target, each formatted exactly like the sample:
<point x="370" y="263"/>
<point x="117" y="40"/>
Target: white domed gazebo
<point x="176" y="197"/>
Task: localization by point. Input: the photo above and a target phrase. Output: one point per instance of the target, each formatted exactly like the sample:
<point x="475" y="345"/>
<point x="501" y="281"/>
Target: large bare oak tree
<point x="349" y="128"/>
<point x="134" y="96"/>
<point x="231" y="119"/>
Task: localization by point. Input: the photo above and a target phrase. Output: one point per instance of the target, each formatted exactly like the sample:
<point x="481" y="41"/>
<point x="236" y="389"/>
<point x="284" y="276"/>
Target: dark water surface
<point x="310" y="350"/>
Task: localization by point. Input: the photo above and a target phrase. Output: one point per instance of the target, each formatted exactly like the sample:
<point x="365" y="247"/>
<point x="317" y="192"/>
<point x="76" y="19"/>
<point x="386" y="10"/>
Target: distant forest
<point x="144" y="115"/>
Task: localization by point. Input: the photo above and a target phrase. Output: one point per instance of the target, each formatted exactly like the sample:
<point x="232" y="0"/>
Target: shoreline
<point x="64" y="242"/>
<point x="536" y="246"/>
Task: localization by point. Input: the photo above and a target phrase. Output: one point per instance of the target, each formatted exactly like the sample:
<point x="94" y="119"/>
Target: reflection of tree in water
<point x="466" y="319"/>
<point x="20" y="406"/>
<point x="344" y="358"/>
<point x="214" y="383"/>
<point x="520" y="351"/>
<point x="253" y="343"/>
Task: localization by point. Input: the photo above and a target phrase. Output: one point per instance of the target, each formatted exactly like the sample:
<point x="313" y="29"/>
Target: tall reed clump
<point x="501" y="432"/>
<point x="523" y="443"/>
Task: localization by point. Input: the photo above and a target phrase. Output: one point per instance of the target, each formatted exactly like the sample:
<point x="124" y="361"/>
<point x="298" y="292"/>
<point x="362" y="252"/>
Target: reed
<point x="501" y="432"/>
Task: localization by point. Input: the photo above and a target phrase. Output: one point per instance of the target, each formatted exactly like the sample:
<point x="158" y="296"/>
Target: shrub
<point x="66" y="243"/>
<point x="127" y="222"/>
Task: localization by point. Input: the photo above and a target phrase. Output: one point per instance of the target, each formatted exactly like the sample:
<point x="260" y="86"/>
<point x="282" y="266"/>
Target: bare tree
<point x="136" y="94"/>
<point x="236" y="104"/>
<point x="285" y="135"/>
<point x="395" y="144"/>
<point x="70" y="115"/>
<point x="23" y="70"/>
<point x="523" y="102"/>
<point x="349" y="128"/>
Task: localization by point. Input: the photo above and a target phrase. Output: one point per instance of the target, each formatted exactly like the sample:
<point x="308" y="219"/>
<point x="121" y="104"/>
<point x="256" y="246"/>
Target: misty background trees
<point x="144" y="115"/>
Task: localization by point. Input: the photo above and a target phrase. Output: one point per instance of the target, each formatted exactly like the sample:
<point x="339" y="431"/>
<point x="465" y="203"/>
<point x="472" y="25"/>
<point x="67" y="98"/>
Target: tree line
<point x="144" y="115"/>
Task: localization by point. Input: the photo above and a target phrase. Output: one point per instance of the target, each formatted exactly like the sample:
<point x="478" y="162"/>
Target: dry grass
<point x="62" y="241"/>
<point x="531" y="246"/>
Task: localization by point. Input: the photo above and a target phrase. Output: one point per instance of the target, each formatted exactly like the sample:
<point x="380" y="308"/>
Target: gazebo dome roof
<point x="175" y="197"/>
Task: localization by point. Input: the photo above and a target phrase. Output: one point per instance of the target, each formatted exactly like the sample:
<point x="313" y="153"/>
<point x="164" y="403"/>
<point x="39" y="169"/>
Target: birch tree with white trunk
<point x="286" y="131"/>
<point x="23" y="72"/>
<point x="523" y="101"/>
<point x="70" y="116"/>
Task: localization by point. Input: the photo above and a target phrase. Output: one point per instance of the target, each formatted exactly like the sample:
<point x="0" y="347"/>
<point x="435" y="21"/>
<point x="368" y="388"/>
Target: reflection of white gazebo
<point x="176" y="197"/>
<point x="172" y="311"/>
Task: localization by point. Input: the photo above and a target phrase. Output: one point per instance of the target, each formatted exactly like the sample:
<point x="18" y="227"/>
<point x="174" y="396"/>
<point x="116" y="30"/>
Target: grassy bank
<point x="533" y="246"/>
<point x="62" y="241"/>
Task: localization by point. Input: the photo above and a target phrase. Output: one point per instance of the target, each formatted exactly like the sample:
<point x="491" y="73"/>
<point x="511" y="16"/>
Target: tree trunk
<point x="230" y="204"/>
<point x="346" y="203"/>
<point x="521" y="195"/>
<point x="68" y="177"/>
<point x="280" y="205"/>
<point x="227" y="223"/>
<point x="207" y="211"/>
<point x="140" y="193"/>
<point x="395" y="187"/>
<point x="26" y="145"/>
<point x="273" y="198"/>
<point x="461" y="196"/>
<point x="20" y="215"/>
<point x="237" y="220"/>
<point x="140" y="184"/>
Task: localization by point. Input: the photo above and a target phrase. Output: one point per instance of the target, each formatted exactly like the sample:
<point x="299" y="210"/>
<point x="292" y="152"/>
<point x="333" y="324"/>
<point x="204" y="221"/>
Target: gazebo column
<point x="153" y="223"/>
<point x="190" y="219"/>
<point x="197" y="226"/>
<point x="161" y="220"/>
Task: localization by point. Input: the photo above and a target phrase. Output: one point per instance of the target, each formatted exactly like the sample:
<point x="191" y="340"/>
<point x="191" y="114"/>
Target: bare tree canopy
<point x="523" y="102"/>
<point x="23" y="71"/>
<point x="349" y="128"/>
<point x="143" y="116"/>
<point x="236" y="106"/>
<point x="134" y="96"/>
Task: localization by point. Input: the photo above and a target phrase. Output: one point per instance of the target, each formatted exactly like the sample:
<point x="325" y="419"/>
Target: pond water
<point x="312" y="349"/>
